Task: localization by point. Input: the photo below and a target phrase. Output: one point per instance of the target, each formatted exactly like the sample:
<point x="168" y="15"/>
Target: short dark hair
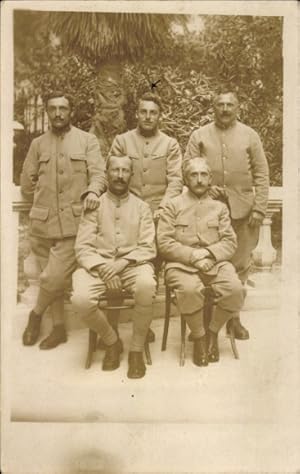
<point x="151" y="97"/>
<point x="114" y="156"/>
<point x="225" y="90"/>
<point x="58" y="93"/>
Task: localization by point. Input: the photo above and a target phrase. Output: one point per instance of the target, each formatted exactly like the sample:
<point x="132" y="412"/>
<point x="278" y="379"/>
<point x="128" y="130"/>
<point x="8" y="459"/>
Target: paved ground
<point x="54" y="385"/>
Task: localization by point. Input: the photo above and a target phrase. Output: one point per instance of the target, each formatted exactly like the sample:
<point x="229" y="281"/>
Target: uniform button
<point x="61" y="171"/>
<point x="225" y="172"/>
<point x="61" y="155"/>
<point x="145" y="169"/>
<point x="117" y="218"/>
<point x="147" y="143"/>
<point x="61" y="209"/>
<point x="224" y="186"/>
<point x="146" y="155"/>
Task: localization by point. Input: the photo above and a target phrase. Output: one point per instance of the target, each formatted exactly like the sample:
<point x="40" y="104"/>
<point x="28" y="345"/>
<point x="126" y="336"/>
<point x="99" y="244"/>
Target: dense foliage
<point x="244" y="53"/>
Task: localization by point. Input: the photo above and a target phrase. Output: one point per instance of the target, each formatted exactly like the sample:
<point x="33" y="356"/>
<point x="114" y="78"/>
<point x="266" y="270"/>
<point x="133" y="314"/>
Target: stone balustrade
<point x="264" y="255"/>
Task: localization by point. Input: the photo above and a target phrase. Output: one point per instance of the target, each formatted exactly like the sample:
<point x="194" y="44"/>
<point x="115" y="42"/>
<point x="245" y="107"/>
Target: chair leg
<point x="167" y="319"/>
<point x="230" y="334"/>
<point x="182" y="348"/>
<point x="91" y="348"/>
<point x="147" y="353"/>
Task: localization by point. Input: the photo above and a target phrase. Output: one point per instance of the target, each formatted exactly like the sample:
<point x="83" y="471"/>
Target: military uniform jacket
<point x="57" y="173"/>
<point x="157" y="164"/>
<point x="187" y="223"/>
<point x="119" y="228"/>
<point x="237" y="160"/>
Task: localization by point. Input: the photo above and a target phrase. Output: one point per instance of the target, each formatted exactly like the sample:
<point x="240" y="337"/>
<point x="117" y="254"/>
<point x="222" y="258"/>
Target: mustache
<point x="119" y="180"/>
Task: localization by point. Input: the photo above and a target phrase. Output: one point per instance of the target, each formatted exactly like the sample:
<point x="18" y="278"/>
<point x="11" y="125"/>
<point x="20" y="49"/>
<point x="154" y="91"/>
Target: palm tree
<point x="107" y="39"/>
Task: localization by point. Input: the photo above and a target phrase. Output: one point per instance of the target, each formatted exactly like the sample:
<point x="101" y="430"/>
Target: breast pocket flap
<point x="44" y="157"/>
<point x="78" y="156"/>
<point x="213" y="223"/>
<point x="181" y="223"/>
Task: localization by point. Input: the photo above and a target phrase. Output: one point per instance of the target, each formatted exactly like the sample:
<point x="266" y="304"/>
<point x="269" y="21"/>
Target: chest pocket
<point x="43" y="163"/>
<point x="78" y="162"/>
<point x="211" y="231"/>
<point x="158" y="160"/>
<point x="181" y="229"/>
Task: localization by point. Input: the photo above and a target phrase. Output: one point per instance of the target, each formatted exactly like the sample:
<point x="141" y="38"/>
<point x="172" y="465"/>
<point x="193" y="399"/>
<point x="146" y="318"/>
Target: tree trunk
<point x="110" y="99"/>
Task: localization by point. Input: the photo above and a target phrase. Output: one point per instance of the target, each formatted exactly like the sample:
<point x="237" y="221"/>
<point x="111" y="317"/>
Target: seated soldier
<point x="114" y="248"/>
<point x="195" y="237"/>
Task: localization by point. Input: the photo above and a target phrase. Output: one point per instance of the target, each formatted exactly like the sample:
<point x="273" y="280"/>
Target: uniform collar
<point x="223" y="129"/>
<point x="195" y="198"/>
<point x="117" y="199"/>
<point x="137" y="130"/>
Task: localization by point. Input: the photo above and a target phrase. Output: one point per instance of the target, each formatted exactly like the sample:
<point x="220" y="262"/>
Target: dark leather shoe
<point x="239" y="331"/>
<point x="200" y="352"/>
<point x="150" y="336"/>
<point x="111" y="359"/>
<point x="212" y="347"/>
<point x="32" y="330"/>
<point x="102" y="346"/>
<point x="57" y="336"/>
<point x="136" y="365"/>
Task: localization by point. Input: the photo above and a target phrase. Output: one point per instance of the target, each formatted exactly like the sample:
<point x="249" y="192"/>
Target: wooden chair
<point x="113" y="302"/>
<point x="208" y="308"/>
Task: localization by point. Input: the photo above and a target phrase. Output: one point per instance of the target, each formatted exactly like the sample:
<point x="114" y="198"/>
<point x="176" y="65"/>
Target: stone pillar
<point x="264" y="255"/>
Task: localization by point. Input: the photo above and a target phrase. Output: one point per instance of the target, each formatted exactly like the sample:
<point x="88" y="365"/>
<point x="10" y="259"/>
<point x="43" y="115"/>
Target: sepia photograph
<point x="149" y="255"/>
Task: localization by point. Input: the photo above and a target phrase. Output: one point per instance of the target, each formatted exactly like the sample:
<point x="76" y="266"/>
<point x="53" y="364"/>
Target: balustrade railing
<point x="264" y="255"/>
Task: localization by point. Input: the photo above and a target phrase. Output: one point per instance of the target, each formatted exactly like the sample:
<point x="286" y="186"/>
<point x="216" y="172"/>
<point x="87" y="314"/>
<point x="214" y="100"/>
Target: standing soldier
<point x="63" y="172"/>
<point x="156" y="157"/>
<point x="236" y="157"/>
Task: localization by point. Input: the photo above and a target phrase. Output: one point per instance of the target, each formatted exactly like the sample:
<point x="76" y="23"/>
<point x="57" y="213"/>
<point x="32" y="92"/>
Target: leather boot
<point x="111" y="359"/>
<point x="136" y="365"/>
<point x="239" y="331"/>
<point x="213" y="348"/>
<point x="200" y="352"/>
<point x="57" y="336"/>
<point x="32" y="330"/>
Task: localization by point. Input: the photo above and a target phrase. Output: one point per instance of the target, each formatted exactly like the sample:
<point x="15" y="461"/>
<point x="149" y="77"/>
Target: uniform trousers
<point x="57" y="263"/>
<point x="188" y="287"/>
<point x="139" y="280"/>
<point x="247" y="238"/>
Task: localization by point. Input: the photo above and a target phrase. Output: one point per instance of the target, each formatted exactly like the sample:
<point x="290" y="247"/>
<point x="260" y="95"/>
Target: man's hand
<point x="216" y="192"/>
<point x="114" y="283"/>
<point x="199" y="254"/>
<point x="255" y="219"/>
<point x="205" y="265"/>
<point x="91" y="201"/>
<point x="110" y="269"/>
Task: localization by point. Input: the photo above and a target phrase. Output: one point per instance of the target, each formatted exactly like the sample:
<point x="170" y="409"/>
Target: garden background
<point x="106" y="60"/>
